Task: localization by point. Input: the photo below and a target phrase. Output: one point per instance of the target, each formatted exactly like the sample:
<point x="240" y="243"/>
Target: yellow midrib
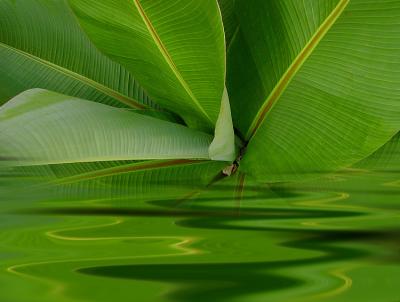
<point x="89" y="82"/>
<point x="295" y="67"/>
<point x="163" y="50"/>
<point x="129" y="168"/>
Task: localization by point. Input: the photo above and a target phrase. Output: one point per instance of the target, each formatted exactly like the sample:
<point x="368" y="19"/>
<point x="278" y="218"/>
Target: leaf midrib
<point x="89" y="82"/>
<point x="167" y="57"/>
<point x="129" y="168"/>
<point x="290" y="73"/>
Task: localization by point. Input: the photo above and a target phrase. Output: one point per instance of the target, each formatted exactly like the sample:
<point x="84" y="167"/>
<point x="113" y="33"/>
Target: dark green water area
<point x="335" y="238"/>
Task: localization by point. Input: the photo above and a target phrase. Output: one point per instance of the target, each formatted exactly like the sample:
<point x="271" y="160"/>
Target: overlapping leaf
<point x="43" y="127"/>
<point x="314" y="84"/>
<point x="229" y="18"/>
<point x="114" y="181"/>
<point x="42" y="46"/>
<point x="174" y="48"/>
<point x="387" y="158"/>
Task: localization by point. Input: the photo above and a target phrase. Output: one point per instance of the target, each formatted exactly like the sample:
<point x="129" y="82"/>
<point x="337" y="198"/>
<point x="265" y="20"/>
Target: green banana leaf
<point x="313" y="84"/>
<point x="43" y="46"/>
<point x="41" y="127"/>
<point x="229" y="18"/>
<point x="115" y="181"/>
<point x="175" y="48"/>
<point x="387" y="158"/>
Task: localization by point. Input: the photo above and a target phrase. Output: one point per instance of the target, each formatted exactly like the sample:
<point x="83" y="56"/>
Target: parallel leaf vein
<point x="168" y="58"/>
<point x="104" y="89"/>
<point x="141" y="166"/>
<point x="277" y="92"/>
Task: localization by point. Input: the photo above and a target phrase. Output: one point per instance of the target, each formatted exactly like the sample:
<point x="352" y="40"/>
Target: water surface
<point x="332" y="239"/>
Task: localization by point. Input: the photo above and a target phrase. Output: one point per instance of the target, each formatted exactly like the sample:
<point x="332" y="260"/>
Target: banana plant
<point x="277" y="90"/>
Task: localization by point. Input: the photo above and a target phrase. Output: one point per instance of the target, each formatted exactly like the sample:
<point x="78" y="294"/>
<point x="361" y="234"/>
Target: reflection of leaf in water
<point x="223" y="281"/>
<point x="267" y="250"/>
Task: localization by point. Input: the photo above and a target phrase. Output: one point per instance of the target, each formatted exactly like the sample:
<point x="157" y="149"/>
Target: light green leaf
<point x="42" y="46"/>
<point x="223" y="146"/>
<point x="43" y="127"/>
<point x="314" y="84"/>
<point x="175" y="48"/>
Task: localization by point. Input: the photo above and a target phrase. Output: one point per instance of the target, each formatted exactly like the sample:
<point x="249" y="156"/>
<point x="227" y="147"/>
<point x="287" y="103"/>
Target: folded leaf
<point x="386" y="158"/>
<point x="223" y="146"/>
<point x="175" y="48"/>
<point x="43" y="127"/>
<point x="314" y="84"/>
<point x="42" y="46"/>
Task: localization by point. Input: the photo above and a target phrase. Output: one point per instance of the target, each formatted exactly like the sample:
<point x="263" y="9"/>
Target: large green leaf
<point x="43" y="127"/>
<point x="175" y="48"/>
<point x="314" y="84"/>
<point x="42" y="46"/>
